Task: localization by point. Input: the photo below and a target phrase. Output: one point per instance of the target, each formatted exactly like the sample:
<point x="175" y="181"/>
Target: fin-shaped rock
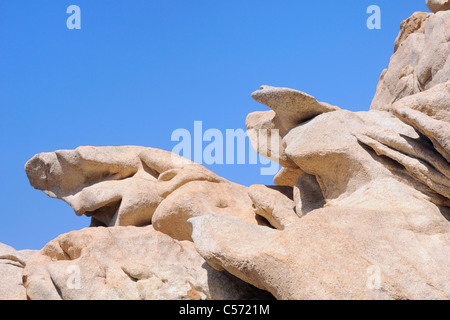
<point x="291" y="106"/>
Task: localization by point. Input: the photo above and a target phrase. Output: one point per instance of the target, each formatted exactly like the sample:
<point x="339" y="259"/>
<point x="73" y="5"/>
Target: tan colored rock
<point x="438" y="5"/>
<point x="434" y="64"/>
<point x="363" y="211"/>
<point x="350" y="175"/>
<point x="263" y="130"/>
<point x="291" y="106"/>
<point x="334" y="253"/>
<point x="63" y="172"/>
<point x="202" y="198"/>
<point x="145" y="186"/>
<point x="332" y="150"/>
<point x="308" y="195"/>
<point x="418" y="163"/>
<point x="126" y="263"/>
<point x="437" y="131"/>
<point x="267" y="128"/>
<point x="414" y="24"/>
<point x="433" y="103"/>
<point x="429" y="113"/>
<point x="95" y="180"/>
<point x="420" y="62"/>
<point x="117" y="186"/>
<point x="274" y="203"/>
<point x="374" y="204"/>
<point x="287" y="177"/>
<point x="12" y="263"/>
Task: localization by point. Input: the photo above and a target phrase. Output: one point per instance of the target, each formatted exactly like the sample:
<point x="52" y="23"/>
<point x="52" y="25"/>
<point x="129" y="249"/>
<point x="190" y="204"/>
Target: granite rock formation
<point x="129" y="263"/>
<point x="360" y="208"/>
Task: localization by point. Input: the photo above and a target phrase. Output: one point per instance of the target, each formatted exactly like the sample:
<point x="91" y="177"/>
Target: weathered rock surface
<point x="12" y="263"/>
<point x="414" y="24"/>
<point x="420" y="62"/>
<point x="291" y="106"/>
<point x="374" y="196"/>
<point x="287" y="177"/>
<point x="127" y="263"/>
<point x="274" y="204"/>
<point x="266" y="129"/>
<point x="372" y="191"/>
<point x="200" y="198"/>
<point x="361" y="209"/>
<point x="307" y="194"/>
<point x="332" y="147"/>
<point x="263" y="129"/>
<point x="429" y="113"/>
<point x="125" y="186"/>
<point x="331" y="253"/>
<point x="438" y="5"/>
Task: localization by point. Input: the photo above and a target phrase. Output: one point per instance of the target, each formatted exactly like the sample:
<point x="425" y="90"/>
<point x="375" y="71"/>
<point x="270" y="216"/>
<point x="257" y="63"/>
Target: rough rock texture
<point x="334" y="253"/>
<point x="12" y="263"/>
<point x="414" y="24"/>
<point x="287" y="176"/>
<point x="126" y="186"/>
<point x="127" y="263"/>
<point x="291" y="106"/>
<point x="200" y="198"/>
<point x="374" y="201"/>
<point x="307" y="194"/>
<point x="361" y="209"/>
<point x="372" y="191"/>
<point x="429" y="113"/>
<point x="266" y="129"/>
<point x="349" y="174"/>
<point x="438" y="5"/>
<point x="274" y="204"/>
<point x="265" y="137"/>
<point x="420" y="62"/>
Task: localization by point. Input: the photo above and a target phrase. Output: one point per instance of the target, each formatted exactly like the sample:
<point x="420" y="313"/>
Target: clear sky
<point x="139" y="69"/>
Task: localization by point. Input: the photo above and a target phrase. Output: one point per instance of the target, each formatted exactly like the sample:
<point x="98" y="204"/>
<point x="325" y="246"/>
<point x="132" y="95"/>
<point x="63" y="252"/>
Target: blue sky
<point x="139" y="69"/>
